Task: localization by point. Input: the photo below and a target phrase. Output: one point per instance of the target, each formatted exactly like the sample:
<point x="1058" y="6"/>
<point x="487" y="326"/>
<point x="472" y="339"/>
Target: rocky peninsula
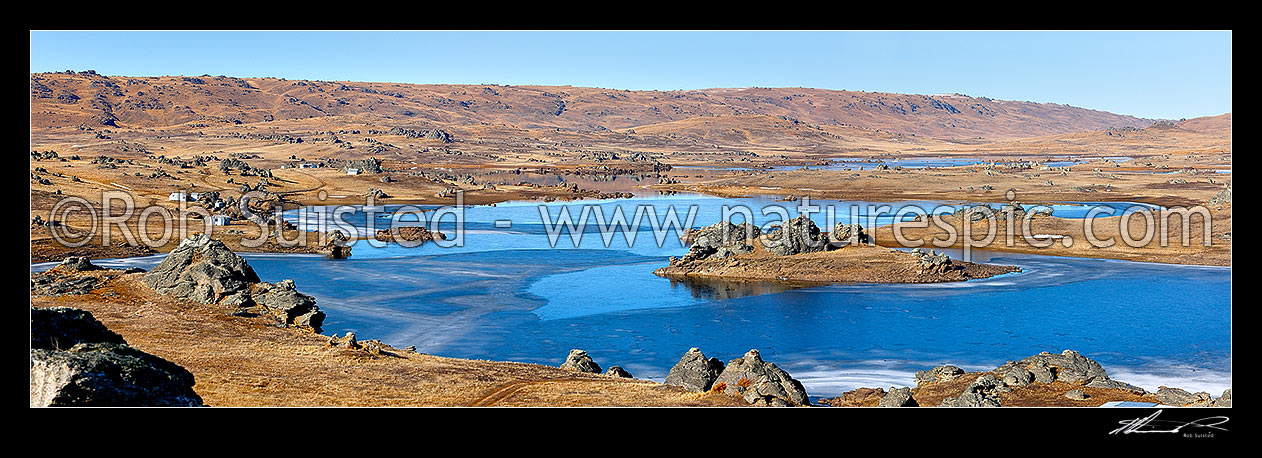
<point x="1065" y="379"/>
<point x="798" y="252"/>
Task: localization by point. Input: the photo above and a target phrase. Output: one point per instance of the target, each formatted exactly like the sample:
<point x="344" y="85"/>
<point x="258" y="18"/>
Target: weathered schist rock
<point x="77" y="361"/>
<point x="944" y="373"/>
<point x="978" y="213"/>
<point x="983" y="392"/>
<point x="77" y="264"/>
<point x="796" y="236"/>
<point x="283" y="300"/>
<point x="898" y="397"/>
<point x="74" y="276"/>
<point x="848" y="234"/>
<point x="719" y="240"/>
<point x="694" y="372"/>
<point x="1183" y="398"/>
<point x="932" y="262"/>
<point x="1223" y="197"/>
<point x="203" y="270"/>
<point x="760" y="382"/>
<point x="1069" y="366"/>
<point x="617" y="371"/>
<point x="1224" y="400"/>
<point x="578" y="361"/>
<point x="64" y="327"/>
<point x="52" y="284"/>
<point x="336" y="245"/>
<point x="409" y="235"/>
<point x="857" y="397"/>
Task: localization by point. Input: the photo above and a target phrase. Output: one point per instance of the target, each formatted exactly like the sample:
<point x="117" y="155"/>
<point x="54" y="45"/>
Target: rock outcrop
<point x="932" y="262"/>
<point x="76" y="361"/>
<point x="796" y="236"/>
<point x="898" y="397"/>
<point x="284" y="301"/>
<point x="760" y="382"/>
<point x="719" y="240"/>
<point x="201" y="269"/>
<point x="1224" y="400"/>
<point x="409" y="235"/>
<point x="336" y="245"/>
<point x="76" y="264"/>
<point x="847" y="234"/>
<point x="695" y="372"/>
<point x="944" y="373"/>
<point x="617" y="371"/>
<point x="60" y="328"/>
<point x="1069" y="366"/>
<point x="1183" y="398"/>
<point x="1223" y="197"/>
<point x="578" y="361"/>
<point x="205" y="271"/>
<point x="51" y="284"/>
<point x="983" y="392"/>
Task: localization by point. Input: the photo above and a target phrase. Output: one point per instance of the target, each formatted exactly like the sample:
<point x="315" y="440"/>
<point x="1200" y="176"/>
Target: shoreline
<point x="163" y="330"/>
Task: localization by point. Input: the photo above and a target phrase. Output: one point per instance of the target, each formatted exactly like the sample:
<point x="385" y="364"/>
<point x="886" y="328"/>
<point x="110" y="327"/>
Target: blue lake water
<point x="506" y="295"/>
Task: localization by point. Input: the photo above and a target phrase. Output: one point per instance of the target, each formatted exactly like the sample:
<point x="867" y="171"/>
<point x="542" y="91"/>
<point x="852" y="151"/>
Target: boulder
<point x="77" y="361"/>
<point x="754" y="379"/>
<point x="1012" y="209"/>
<point x="51" y="284"/>
<point x="283" y="300"/>
<point x="1116" y="385"/>
<point x="932" y="261"/>
<point x="983" y="392"/>
<point x="1069" y="366"/>
<point x="1180" y="398"/>
<point x="578" y="361"/>
<point x="108" y="374"/>
<point x="1223" y="197"/>
<point x="847" y="234"/>
<point x="336" y="245"/>
<point x="1077" y="395"/>
<point x="617" y="371"/>
<point x="1018" y="377"/>
<point x="409" y="235"/>
<point x="978" y="213"/>
<point x="898" y="397"/>
<point x="59" y="328"/>
<point x="76" y="264"/>
<point x="720" y="240"/>
<point x="943" y="373"/>
<point x="201" y="269"/>
<point x="796" y="236"/>
<point x="1224" y="400"/>
<point x="857" y="397"/>
<point x="694" y="371"/>
<point x="1041" y="371"/>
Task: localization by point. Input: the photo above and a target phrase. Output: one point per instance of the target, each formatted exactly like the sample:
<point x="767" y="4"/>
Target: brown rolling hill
<point x="71" y="99"/>
<point x="1221" y="122"/>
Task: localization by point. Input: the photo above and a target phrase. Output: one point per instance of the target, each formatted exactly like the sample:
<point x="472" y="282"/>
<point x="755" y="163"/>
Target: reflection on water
<point x="719" y="289"/>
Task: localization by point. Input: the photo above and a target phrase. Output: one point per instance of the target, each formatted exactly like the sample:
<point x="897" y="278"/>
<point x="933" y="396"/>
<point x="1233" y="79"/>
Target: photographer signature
<point x="1150" y="424"/>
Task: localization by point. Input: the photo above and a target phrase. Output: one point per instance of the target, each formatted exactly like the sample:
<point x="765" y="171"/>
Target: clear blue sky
<point x="1147" y="74"/>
